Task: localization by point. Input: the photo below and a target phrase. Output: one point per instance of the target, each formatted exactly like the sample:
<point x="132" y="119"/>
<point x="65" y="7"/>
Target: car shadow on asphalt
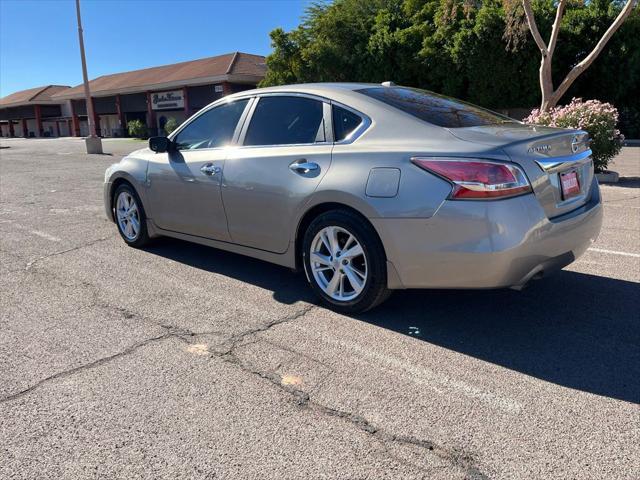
<point x="625" y="182"/>
<point x="573" y="329"/>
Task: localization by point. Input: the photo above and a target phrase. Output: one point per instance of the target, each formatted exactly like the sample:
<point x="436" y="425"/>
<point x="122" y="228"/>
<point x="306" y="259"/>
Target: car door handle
<point x="303" y="167"/>
<point x="210" y="169"/>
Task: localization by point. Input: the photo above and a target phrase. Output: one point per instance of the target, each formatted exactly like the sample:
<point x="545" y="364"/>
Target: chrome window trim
<point x="254" y="97"/>
<point x="365" y="123"/>
<point x="319" y="144"/>
<point x="245" y="127"/>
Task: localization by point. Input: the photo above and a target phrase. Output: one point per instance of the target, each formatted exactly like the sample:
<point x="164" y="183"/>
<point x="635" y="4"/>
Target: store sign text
<point x="173" y="100"/>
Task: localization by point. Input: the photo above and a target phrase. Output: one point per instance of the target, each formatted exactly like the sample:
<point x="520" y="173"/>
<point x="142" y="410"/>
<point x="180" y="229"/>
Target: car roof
<point x="346" y="94"/>
<point x="341" y="92"/>
<point x="321" y="89"/>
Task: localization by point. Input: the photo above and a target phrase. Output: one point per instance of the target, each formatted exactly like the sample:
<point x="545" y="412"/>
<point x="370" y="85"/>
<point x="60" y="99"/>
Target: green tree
<point x="477" y="50"/>
<point x="551" y="94"/>
<point x="452" y="46"/>
<point x="615" y="75"/>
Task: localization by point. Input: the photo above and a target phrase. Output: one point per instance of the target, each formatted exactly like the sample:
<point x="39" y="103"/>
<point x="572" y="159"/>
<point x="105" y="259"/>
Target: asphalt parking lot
<point x="182" y="361"/>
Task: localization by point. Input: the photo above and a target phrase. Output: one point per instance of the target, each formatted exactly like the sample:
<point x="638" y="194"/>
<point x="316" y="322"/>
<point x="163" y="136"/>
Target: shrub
<point x="137" y="129"/>
<point x="171" y="125"/>
<point x="597" y="118"/>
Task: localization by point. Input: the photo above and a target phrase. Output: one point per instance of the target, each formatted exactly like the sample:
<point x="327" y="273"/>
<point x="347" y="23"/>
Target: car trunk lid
<point x="548" y="155"/>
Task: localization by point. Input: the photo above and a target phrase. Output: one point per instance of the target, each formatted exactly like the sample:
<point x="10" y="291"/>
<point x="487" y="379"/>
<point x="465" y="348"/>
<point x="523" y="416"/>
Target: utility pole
<point x="93" y="142"/>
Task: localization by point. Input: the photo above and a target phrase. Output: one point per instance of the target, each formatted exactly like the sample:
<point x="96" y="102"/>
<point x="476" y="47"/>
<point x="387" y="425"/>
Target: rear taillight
<point x="477" y="179"/>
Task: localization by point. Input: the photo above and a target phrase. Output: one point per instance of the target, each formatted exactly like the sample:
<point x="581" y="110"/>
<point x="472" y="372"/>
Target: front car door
<point x="184" y="184"/>
<point x="284" y="153"/>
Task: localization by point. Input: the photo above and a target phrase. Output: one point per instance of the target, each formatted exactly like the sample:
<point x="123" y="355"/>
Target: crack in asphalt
<point x="456" y="457"/>
<point x="237" y="339"/>
<point x="72" y="249"/>
<point x="88" y="366"/>
<point x="180" y="332"/>
<point x="297" y="353"/>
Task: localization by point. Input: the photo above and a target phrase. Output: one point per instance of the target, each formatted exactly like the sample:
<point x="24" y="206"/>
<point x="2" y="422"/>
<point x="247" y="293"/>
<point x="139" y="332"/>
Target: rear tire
<point x="130" y="217"/>
<point x="344" y="262"/>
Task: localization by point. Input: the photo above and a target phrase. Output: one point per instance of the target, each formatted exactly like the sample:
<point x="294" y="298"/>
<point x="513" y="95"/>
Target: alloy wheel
<point x="338" y="263"/>
<point x="128" y="215"/>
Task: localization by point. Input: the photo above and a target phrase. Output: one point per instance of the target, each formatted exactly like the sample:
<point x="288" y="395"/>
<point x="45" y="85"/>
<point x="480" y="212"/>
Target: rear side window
<point x="436" y="109"/>
<point x="344" y="123"/>
<point x="214" y="128"/>
<point x="281" y="120"/>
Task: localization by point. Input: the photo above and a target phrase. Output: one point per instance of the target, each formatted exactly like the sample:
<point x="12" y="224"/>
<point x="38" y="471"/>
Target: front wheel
<point x="345" y="262"/>
<point x="130" y="216"/>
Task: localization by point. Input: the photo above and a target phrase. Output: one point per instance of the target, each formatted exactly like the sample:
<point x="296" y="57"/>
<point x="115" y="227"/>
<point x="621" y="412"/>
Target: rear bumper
<point x="469" y="244"/>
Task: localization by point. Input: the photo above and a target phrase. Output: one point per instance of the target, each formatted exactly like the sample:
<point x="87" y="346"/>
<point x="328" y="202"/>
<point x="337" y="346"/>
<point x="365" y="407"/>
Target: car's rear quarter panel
<point x="473" y="244"/>
<point x="391" y="140"/>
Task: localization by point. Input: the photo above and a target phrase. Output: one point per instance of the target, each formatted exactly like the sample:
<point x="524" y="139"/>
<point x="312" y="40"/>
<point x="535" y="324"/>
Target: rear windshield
<point x="436" y="109"/>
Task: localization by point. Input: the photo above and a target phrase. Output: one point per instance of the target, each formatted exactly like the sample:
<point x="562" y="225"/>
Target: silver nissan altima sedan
<point x="368" y="188"/>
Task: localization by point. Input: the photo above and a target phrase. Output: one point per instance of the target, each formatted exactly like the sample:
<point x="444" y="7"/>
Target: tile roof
<point x="231" y="64"/>
<point x="33" y="95"/>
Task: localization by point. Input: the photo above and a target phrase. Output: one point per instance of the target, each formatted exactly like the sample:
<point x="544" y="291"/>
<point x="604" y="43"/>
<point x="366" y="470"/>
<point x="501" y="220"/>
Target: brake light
<point x="477" y="179"/>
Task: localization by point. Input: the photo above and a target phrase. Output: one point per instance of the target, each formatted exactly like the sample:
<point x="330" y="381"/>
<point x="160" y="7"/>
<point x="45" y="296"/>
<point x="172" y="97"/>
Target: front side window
<point x="344" y="123"/>
<point x="281" y="120"/>
<point x="214" y="128"/>
<point x="434" y="108"/>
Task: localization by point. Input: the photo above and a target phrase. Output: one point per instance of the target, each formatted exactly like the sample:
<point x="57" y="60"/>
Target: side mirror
<point x="160" y="144"/>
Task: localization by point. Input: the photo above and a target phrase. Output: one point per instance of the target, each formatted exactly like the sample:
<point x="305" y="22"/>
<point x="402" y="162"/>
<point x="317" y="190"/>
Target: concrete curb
<point x="608" y="177"/>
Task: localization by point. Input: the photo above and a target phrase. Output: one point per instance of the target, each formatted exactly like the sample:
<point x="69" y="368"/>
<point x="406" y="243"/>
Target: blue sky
<point x="39" y="38"/>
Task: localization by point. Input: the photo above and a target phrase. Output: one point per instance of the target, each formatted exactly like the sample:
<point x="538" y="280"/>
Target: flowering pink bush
<point x="597" y="118"/>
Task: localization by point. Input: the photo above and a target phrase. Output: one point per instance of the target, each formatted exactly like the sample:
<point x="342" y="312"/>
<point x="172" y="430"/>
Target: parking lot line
<point x="615" y="205"/>
<point x="615" y="252"/>
<point x="45" y="235"/>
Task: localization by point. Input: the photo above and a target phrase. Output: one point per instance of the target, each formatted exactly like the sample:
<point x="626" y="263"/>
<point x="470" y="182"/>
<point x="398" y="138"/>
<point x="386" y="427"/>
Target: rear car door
<point x="184" y="184"/>
<point x="285" y="151"/>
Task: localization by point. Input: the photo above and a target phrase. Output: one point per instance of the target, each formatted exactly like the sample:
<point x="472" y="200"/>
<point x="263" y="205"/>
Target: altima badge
<point x="539" y="149"/>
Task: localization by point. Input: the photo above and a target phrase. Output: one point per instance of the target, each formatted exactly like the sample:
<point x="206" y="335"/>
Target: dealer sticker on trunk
<point x="570" y="184"/>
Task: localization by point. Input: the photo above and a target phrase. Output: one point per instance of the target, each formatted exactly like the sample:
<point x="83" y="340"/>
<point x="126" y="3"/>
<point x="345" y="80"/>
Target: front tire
<point x="130" y="217"/>
<point x="344" y="262"/>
